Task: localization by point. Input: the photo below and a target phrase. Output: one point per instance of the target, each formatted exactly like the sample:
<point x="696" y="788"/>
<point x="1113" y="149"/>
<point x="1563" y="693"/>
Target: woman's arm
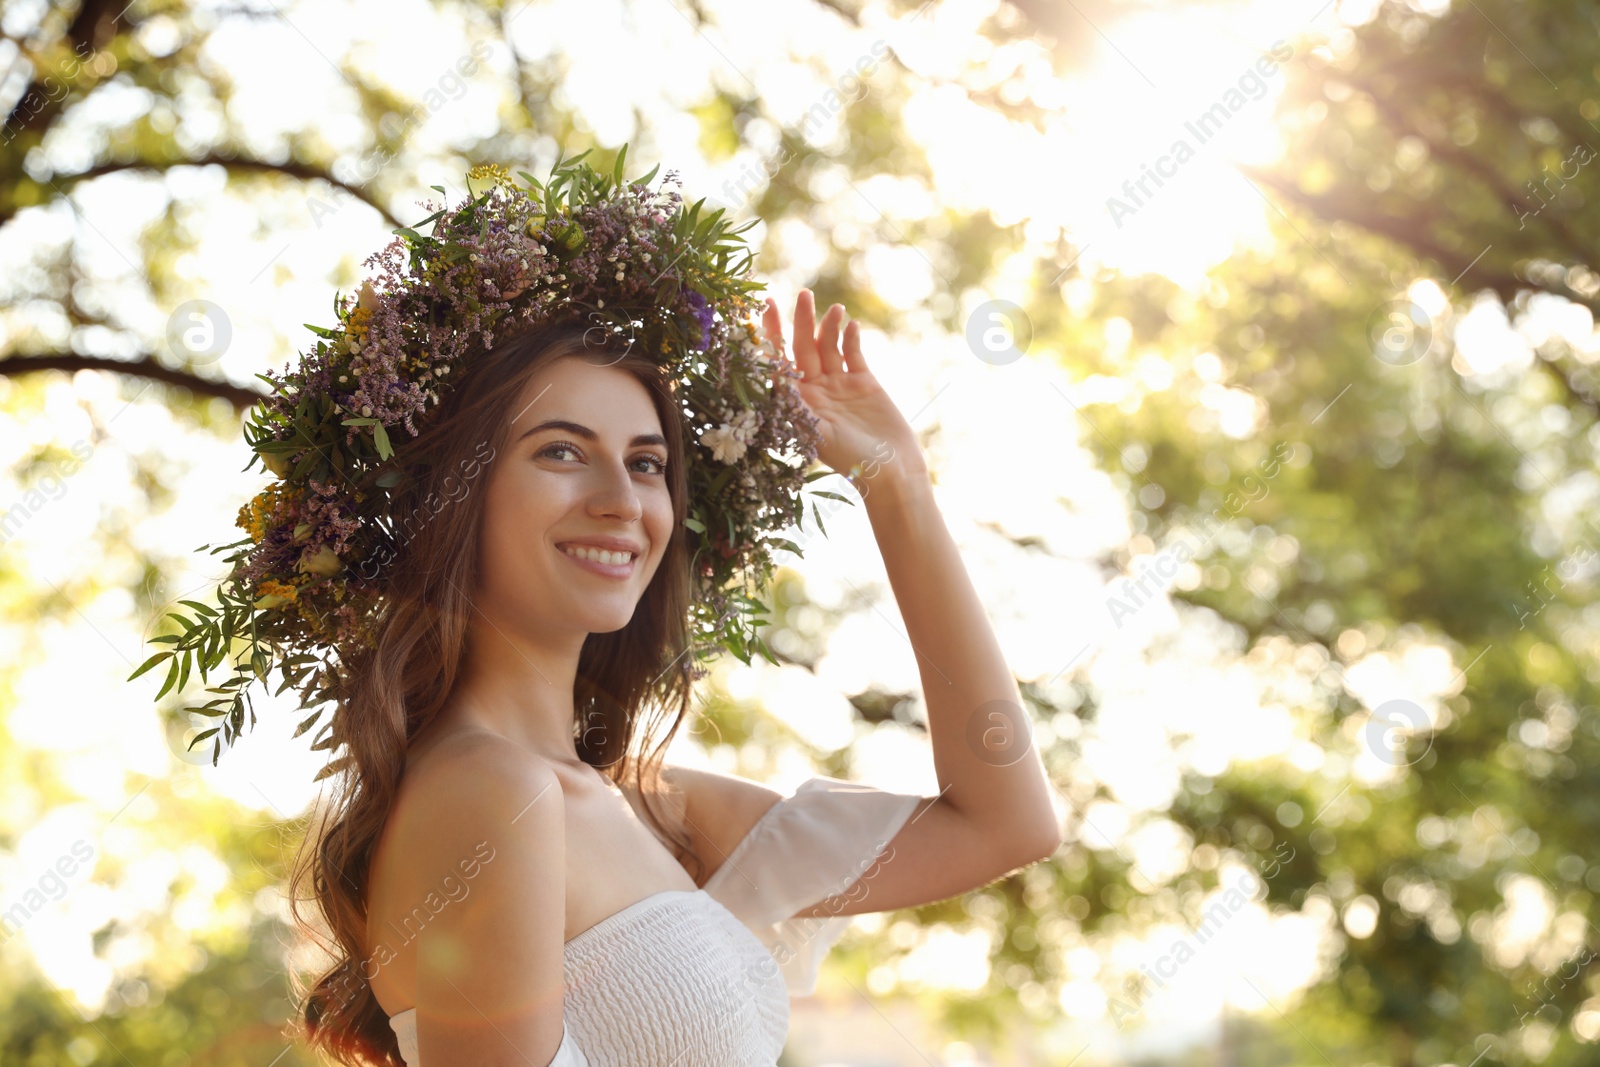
<point x="993" y="810"/>
<point x="488" y="965"/>
<point x="987" y="766"/>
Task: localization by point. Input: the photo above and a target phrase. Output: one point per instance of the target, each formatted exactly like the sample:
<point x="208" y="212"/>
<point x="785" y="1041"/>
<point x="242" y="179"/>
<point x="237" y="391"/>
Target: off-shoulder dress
<point x="702" y="977"/>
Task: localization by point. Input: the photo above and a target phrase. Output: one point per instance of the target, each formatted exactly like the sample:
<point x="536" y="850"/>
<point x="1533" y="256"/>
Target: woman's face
<point x="582" y="476"/>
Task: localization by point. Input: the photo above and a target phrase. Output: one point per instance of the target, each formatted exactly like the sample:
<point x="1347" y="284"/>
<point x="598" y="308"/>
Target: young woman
<point x="513" y="875"/>
<point x="576" y="528"/>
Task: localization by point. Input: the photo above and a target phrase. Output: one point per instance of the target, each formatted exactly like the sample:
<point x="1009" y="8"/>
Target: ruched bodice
<point x="702" y="977"/>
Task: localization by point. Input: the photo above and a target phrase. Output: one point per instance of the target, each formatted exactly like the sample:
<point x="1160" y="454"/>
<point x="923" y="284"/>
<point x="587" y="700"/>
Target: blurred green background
<point x="1253" y="348"/>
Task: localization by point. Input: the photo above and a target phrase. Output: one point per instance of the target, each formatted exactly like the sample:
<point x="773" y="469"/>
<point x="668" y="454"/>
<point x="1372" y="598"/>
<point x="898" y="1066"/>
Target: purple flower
<point x="702" y="314"/>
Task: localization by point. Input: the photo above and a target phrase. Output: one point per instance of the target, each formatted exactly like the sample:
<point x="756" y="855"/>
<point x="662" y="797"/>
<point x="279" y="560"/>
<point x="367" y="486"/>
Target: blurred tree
<point x="1442" y="493"/>
<point x="1414" y="496"/>
<point x="102" y="92"/>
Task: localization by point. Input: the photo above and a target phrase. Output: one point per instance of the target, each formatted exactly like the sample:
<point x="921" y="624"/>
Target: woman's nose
<point x="615" y="495"/>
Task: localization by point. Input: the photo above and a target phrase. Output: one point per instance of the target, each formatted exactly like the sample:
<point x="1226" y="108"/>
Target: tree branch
<point x="235" y="164"/>
<point x="94" y="25"/>
<point x="240" y="396"/>
<point x="1416" y="235"/>
<point x="1470" y="164"/>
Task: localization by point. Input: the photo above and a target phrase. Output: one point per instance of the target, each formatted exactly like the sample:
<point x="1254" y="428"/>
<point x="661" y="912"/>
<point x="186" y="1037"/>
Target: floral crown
<point x="306" y="583"/>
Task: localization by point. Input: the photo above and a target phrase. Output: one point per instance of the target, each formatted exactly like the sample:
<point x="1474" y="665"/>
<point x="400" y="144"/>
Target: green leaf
<point x="201" y="608"/>
<point x="187" y="624"/>
<point x="381" y="436"/>
<point x="172" y="676"/>
<point x="151" y="662"/>
<point x="695" y="524"/>
<point x="332" y="768"/>
<point x="199" y="737"/>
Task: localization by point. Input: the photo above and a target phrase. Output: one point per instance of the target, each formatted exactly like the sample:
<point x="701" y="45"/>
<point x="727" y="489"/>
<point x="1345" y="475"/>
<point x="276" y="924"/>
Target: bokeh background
<point x="1252" y="345"/>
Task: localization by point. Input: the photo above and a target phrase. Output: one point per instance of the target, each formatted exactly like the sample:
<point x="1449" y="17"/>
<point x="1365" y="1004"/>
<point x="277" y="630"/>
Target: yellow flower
<point x="254" y="515"/>
<point x="493" y="171"/>
<point x="262" y="512"/>
<point x="274" y="593"/>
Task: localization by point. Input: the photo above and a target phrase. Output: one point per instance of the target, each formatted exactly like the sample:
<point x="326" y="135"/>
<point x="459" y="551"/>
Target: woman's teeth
<point x="597" y="554"/>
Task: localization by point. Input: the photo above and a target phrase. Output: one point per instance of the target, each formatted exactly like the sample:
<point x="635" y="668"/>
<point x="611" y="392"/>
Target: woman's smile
<point x="600" y="561"/>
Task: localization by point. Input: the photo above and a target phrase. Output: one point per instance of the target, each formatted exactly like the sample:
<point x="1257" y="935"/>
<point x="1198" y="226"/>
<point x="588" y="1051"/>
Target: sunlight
<point x="1158" y="122"/>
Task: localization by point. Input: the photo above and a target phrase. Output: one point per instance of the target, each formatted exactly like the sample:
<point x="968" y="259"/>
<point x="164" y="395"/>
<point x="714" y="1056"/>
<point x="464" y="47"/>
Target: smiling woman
<point x="492" y="629"/>
<point x="501" y="681"/>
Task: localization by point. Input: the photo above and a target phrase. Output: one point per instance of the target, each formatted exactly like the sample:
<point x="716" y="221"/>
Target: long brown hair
<point x="392" y="691"/>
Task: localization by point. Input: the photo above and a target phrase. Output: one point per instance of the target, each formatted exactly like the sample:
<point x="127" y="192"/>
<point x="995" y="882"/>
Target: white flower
<point x="725" y="446"/>
<point x="756" y="341"/>
<point x="744" y="425"/>
<point x="367" y="297"/>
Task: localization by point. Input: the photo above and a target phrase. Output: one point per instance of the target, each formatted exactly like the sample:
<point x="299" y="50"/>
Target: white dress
<point x="702" y="977"/>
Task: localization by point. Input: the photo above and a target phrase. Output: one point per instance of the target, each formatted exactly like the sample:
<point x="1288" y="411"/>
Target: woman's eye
<point x="659" y="464"/>
<point x="551" y="450"/>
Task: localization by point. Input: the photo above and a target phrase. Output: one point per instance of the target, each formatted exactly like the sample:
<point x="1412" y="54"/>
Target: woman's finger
<point x="805" y="336"/>
<point x="828" y="340"/>
<point x="852" y="348"/>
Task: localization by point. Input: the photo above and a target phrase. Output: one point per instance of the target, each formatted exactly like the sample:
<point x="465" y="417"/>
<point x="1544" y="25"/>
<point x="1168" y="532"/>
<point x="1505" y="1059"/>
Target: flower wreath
<point x="307" y="580"/>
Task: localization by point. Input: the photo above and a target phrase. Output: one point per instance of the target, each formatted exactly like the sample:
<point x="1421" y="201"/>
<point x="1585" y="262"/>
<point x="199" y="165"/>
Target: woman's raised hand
<point x="860" y="425"/>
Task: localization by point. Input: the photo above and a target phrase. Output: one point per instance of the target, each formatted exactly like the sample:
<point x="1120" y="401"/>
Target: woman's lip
<point x="609" y="570"/>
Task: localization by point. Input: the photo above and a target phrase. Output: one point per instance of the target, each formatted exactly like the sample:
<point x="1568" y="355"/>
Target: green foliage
<point x="1423" y="503"/>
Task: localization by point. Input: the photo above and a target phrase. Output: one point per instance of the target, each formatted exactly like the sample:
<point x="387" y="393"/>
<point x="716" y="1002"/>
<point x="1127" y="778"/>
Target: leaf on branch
<point x="151" y="662"/>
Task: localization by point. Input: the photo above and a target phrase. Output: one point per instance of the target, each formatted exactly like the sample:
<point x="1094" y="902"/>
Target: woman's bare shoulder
<point x="476" y="833"/>
<point x="473" y="772"/>
<point x="717" y="809"/>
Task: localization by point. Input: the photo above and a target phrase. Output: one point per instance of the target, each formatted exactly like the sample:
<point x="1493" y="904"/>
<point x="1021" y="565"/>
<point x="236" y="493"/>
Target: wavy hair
<point x="626" y="686"/>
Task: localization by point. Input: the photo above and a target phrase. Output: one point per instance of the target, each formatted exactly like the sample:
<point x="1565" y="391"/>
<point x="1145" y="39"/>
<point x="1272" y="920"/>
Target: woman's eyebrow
<point x="589" y="435"/>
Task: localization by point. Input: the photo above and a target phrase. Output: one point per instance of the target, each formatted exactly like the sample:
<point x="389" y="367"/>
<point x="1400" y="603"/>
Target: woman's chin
<point x="606" y="622"/>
